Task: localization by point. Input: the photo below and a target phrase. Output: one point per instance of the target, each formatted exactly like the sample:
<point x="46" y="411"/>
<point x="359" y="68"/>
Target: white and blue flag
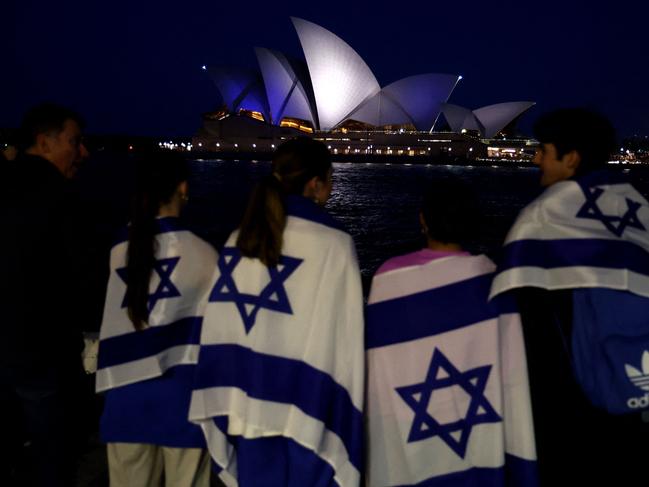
<point x="591" y="235"/>
<point x="282" y="349"/>
<point x="179" y="284"/>
<point x="447" y="392"/>
<point x="587" y="233"/>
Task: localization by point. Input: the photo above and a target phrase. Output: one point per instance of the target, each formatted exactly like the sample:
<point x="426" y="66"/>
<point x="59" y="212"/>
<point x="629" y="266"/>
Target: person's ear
<point x="422" y="222"/>
<point x="572" y="160"/>
<point x="183" y="190"/>
<point x="43" y="145"/>
<point x="311" y="187"/>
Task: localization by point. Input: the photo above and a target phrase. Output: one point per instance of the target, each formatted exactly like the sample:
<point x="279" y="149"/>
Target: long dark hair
<point x="295" y="162"/>
<point x="158" y="176"/>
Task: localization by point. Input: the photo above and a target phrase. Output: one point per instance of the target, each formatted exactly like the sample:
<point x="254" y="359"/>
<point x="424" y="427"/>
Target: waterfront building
<point x="333" y="96"/>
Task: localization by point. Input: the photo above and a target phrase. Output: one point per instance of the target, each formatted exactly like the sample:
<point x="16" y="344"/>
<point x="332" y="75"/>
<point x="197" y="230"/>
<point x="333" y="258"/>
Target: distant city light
<point x="254" y="146"/>
<point x="218" y="145"/>
<point x="200" y="144"/>
<point x="272" y="145"/>
<point x="236" y="145"/>
<point x="204" y="67"/>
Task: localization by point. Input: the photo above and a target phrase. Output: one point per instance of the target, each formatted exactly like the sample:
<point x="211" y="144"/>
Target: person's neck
<point x="171" y="209"/>
<point x="443" y="246"/>
<point x="35" y="152"/>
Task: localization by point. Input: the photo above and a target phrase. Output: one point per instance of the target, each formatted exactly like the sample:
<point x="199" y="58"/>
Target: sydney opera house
<point x="332" y="95"/>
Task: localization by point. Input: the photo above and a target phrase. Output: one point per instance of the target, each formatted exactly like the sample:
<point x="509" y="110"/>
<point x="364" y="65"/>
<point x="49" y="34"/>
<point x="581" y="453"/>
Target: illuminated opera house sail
<point x="334" y="91"/>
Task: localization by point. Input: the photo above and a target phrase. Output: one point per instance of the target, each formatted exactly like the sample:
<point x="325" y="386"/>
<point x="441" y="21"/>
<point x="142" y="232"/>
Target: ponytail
<point x="157" y="179"/>
<point x="295" y="162"/>
<point x="262" y="228"/>
<point x="140" y="259"/>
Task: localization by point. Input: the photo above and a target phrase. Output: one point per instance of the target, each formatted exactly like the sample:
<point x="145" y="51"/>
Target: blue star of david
<point x="166" y="289"/>
<point x="417" y="396"/>
<point x="272" y="297"/>
<point x="613" y="223"/>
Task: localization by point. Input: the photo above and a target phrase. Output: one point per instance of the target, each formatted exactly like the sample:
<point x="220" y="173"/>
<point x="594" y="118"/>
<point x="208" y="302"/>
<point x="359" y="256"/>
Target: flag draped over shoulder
<point x="587" y="233"/>
<point x="591" y="236"/>
<point x="447" y="392"/>
<point x="179" y="282"/>
<point x="282" y="348"/>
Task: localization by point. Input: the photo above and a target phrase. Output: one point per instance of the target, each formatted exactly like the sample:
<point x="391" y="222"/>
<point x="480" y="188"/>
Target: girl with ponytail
<point x="300" y="167"/>
<point x="160" y="275"/>
<point x="279" y="383"/>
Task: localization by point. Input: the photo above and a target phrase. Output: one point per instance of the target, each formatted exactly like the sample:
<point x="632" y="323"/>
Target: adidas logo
<point x="641" y="380"/>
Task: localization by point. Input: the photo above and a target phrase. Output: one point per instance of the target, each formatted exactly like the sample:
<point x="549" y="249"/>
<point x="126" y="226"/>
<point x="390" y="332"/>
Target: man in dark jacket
<point x="41" y="282"/>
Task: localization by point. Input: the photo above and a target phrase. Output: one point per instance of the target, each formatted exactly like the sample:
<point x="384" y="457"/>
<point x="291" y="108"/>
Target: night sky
<point x="135" y="67"/>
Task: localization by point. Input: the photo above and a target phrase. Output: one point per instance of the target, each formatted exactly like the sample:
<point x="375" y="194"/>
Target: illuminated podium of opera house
<point x="333" y="96"/>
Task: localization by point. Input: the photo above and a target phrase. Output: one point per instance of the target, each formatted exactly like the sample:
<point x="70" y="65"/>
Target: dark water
<point x="377" y="203"/>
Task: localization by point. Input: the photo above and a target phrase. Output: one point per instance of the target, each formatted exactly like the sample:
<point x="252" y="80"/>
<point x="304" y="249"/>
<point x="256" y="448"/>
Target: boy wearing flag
<point x="447" y="392"/>
<point x="578" y="258"/>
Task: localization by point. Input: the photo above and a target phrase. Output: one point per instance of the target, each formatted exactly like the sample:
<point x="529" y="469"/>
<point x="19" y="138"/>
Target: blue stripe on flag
<point x="613" y="254"/>
<point x="148" y="342"/>
<point x="431" y="312"/>
<point x="516" y="472"/>
<point x="288" y="381"/>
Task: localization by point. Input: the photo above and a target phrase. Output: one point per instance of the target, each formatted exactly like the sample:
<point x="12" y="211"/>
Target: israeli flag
<point x="179" y="285"/>
<point x="447" y="392"/>
<point x="282" y="349"/>
<point x="586" y="233"/>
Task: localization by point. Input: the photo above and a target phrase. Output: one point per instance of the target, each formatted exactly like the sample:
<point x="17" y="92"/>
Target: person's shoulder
<point x="302" y="208"/>
<point x="399" y="262"/>
<point x="199" y="244"/>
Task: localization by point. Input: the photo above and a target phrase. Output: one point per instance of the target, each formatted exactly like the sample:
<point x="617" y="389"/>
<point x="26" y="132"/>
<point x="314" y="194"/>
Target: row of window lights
<point x="171" y="145"/>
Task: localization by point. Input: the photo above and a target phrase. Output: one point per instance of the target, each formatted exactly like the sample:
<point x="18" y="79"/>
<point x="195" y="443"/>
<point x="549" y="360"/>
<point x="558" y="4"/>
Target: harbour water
<point x="378" y="203"/>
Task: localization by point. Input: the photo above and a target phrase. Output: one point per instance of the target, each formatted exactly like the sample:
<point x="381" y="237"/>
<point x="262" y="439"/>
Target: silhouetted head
<point x="300" y="166"/>
<point x="449" y="212"/>
<point x="573" y="142"/>
<point x="303" y="166"/>
<point x="54" y="133"/>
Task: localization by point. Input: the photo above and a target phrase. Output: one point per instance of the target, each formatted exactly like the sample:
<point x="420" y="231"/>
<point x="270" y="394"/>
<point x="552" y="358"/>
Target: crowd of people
<point x="259" y="363"/>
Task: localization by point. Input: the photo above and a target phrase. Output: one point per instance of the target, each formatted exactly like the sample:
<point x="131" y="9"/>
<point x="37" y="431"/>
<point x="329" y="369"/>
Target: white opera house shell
<point x="334" y="86"/>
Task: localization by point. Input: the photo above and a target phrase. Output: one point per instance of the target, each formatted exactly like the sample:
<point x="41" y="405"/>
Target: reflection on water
<point x="377" y="203"/>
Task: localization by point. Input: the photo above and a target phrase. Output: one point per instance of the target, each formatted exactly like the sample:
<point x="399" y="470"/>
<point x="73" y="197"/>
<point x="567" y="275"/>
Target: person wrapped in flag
<point x="279" y="382"/>
<point x="447" y="390"/>
<point x="577" y="259"/>
<point x="160" y="274"/>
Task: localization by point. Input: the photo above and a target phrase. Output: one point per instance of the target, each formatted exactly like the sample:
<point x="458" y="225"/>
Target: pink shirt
<point x="420" y="257"/>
